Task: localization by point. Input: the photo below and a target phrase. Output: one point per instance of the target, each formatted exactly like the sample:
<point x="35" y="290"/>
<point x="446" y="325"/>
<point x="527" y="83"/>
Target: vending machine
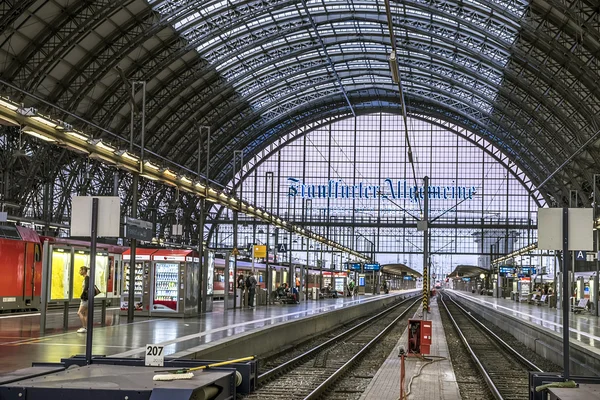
<point x="142" y="281"/>
<point x="176" y="283"/>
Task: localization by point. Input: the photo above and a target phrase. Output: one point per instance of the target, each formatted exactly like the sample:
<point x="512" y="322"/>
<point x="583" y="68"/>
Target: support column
<point x="426" y="268"/>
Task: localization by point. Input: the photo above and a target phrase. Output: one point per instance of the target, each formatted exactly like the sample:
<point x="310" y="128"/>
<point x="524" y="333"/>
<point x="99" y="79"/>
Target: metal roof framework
<point x="522" y="75"/>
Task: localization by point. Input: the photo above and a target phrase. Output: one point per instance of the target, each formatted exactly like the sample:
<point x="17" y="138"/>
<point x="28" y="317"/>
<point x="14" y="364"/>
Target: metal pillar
<point x="92" y="275"/>
<point x="269" y="208"/>
<point x="203" y="258"/>
<point x="566" y="294"/>
<point x="596" y="292"/>
<point x="426" y="279"/>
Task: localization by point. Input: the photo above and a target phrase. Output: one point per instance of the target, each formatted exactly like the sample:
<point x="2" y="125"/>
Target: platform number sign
<point x="425" y="289"/>
<point x="155" y="356"/>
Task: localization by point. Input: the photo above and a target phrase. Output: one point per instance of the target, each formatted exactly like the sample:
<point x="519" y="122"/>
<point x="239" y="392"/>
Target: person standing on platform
<point x="241" y="286"/>
<point x="251" y="285"/>
<point x="351" y="288"/>
<point x="83" y="306"/>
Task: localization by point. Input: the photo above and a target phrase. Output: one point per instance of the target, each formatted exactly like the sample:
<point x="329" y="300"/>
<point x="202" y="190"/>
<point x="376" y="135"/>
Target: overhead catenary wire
<point x="411" y="160"/>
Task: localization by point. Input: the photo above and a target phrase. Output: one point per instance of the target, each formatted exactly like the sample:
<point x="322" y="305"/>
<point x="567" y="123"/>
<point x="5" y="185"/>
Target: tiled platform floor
<point x="436" y="381"/>
<point x="21" y="342"/>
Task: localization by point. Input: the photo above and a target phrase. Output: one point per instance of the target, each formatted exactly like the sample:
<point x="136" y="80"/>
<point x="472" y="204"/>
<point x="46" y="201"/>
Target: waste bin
<point x="261" y="296"/>
<point x="552" y="301"/>
<point x="315" y="293"/>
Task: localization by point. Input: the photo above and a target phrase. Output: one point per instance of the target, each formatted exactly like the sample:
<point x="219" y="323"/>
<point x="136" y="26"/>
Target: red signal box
<point x="419" y="336"/>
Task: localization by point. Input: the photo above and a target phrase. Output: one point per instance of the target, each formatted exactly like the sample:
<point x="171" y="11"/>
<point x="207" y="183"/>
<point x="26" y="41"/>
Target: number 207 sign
<point x="155" y="356"/>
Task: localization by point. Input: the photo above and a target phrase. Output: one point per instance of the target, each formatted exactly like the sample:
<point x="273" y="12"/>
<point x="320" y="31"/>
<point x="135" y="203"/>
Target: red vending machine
<point x="176" y="283"/>
<point x="142" y="281"/>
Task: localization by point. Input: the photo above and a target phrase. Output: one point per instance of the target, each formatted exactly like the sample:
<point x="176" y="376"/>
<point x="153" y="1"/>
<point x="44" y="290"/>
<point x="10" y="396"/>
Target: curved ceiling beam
<point x="229" y="116"/>
<point x="62" y="34"/>
<point x="437" y="88"/>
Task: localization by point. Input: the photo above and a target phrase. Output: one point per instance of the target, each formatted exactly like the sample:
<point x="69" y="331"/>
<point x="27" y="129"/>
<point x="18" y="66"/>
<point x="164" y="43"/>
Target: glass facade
<point x="352" y="181"/>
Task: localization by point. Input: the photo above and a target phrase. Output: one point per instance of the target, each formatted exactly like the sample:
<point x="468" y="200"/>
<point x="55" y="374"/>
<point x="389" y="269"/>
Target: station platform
<point x="435" y="381"/>
<point x="22" y="343"/>
<point x="540" y="329"/>
<point x="583" y="327"/>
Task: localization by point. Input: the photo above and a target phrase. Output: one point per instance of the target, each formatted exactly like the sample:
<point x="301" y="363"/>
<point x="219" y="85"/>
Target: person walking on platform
<point x="251" y="285"/>
<point x="83" y="306"/>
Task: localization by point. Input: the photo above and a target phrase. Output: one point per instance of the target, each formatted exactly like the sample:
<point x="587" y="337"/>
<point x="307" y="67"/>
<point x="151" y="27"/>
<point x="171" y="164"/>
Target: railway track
<point x="311" y="374"/>
<point x="504" y="370"/>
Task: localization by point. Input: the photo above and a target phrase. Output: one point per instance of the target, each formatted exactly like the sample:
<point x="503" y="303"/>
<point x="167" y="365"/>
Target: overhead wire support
<point x="337" y="77"/>
<point x="398" y="78"/>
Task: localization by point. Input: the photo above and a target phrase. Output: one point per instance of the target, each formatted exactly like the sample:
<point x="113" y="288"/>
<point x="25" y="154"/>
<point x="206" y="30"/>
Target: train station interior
<point x="275" y="199"/>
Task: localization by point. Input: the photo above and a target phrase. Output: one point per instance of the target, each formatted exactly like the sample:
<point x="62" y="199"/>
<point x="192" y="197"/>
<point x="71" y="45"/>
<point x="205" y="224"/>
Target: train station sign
<point x="138" y="229"/>
<point x="371" y="267"/>
<point x="389" y="189"/>
<point x="259" y="251"/>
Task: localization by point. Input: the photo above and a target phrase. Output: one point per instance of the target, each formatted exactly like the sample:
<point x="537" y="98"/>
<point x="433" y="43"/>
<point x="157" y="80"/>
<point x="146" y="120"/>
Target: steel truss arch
<point x="525" y="73"/>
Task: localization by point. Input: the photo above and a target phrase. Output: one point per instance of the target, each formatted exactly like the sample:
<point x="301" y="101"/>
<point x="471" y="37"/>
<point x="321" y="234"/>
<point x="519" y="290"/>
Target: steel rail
<point x="290" y="363"/>
<point x="492" y="386"/>
<point x="323" y="387"/>
<point x="498" y="339"/>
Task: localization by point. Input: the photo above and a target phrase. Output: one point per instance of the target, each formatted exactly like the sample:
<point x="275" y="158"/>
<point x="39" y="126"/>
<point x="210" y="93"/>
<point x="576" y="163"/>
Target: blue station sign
<point x="372" y="267"/>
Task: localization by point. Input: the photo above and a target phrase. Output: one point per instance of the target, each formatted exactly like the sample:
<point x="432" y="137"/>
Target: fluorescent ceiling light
<point x="8" y="105"/>
<point x="170" y="173"/>
<point x="394" y="67"/>
<point x="100" y="144"/>
<point x="125" y="154"/>
<point x="78" y="135"/>
<point x="46" y="121"/>
<point x="151" y="166"/>
<point x="185" y="179"/>
<point x="38" y="134"/>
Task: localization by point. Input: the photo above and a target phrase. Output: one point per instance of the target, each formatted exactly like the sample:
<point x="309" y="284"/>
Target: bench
<point x="542" y="300"/>
<point x="534" y="298"/>
<point x="526" y="299"/>
<point x="581" y="306"/>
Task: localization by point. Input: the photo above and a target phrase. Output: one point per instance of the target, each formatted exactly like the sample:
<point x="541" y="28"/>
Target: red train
<point x="21" y="260"/>
<point x="20" y="268"/>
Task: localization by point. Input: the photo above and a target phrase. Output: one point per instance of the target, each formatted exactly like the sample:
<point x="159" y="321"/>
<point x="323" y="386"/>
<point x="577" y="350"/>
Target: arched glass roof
<point x="523" y="75"/>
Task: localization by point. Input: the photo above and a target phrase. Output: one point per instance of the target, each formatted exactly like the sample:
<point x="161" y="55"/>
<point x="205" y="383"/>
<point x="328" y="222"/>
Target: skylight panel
<point x="186" y="20"/>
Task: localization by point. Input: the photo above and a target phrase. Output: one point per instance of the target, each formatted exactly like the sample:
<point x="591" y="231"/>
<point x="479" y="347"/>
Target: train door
<point x="32" y="256"/>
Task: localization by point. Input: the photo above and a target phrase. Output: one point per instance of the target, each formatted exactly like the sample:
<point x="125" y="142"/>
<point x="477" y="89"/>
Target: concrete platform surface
<point x="436" y="380"/>
<point x="22" y="344"/>
<point x="584" y="391"/>
<point x="583" y="327"/>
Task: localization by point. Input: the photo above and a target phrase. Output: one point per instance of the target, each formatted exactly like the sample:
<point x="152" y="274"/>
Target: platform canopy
<point x="467" y="271"/>
<point x="400" y="270"/>
<point x="522" y="74"/>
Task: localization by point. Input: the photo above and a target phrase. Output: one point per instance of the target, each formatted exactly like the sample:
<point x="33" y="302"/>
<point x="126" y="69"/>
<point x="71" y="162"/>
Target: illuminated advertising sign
<point x="395" y="190"/>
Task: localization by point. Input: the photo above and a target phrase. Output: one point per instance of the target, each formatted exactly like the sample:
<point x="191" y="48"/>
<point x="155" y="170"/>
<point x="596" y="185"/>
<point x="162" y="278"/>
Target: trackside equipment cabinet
<point x="419" y="336"/>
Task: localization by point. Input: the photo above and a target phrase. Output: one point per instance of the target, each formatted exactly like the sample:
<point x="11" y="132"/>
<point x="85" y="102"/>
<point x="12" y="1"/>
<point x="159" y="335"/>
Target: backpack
<point x="248" y="282"/>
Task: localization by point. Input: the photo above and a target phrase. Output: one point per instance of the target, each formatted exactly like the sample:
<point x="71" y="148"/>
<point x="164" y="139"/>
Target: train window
<point x="9" y="232"/>
<point x="37" y="251"/>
